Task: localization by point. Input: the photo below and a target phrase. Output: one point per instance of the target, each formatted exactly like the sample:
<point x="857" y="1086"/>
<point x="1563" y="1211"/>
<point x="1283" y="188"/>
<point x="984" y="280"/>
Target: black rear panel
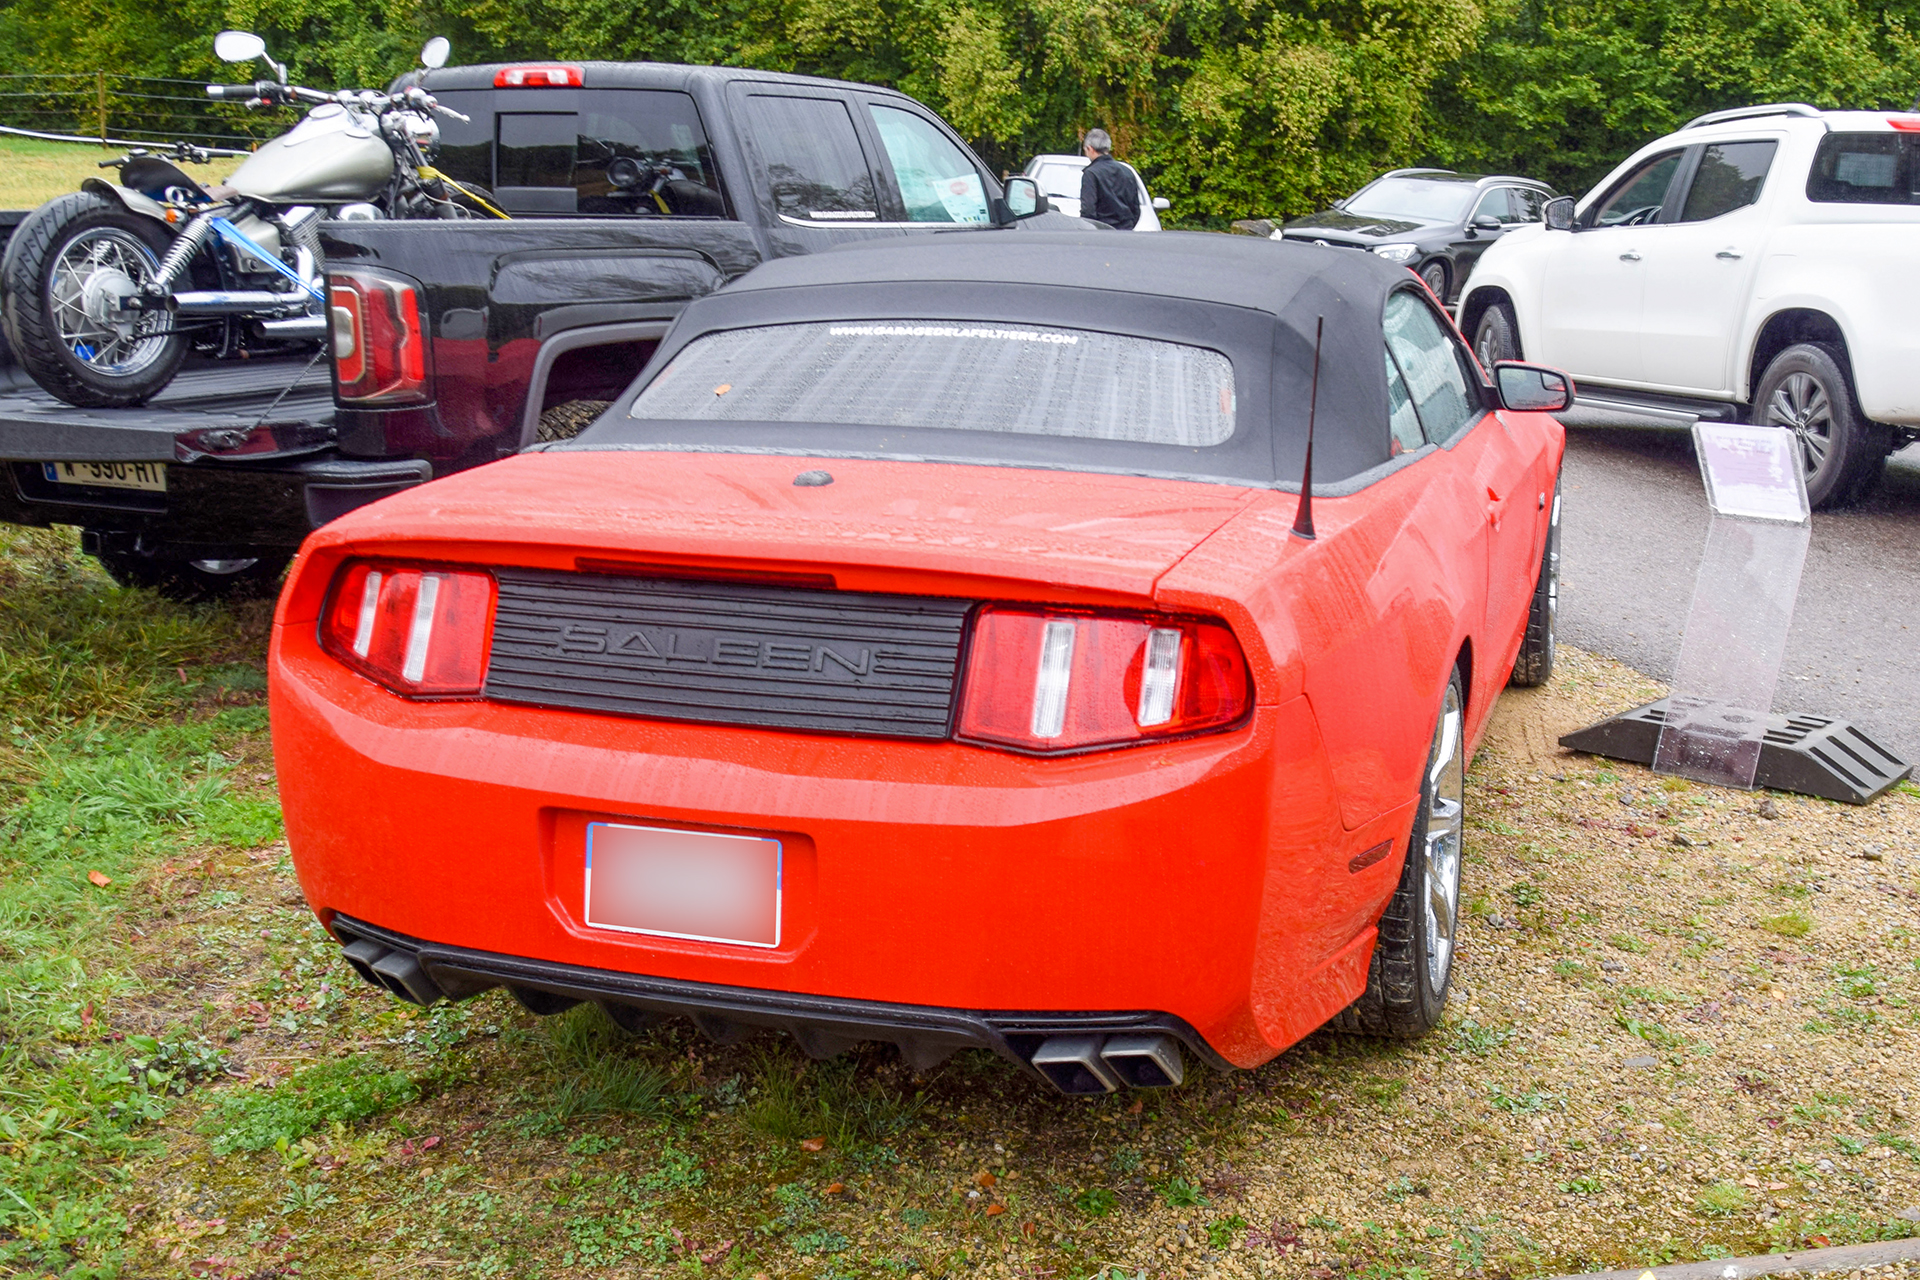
<point x="727" y="653"/>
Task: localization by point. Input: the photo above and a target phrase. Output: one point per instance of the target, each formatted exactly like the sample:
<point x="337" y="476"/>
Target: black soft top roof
<point x="1255" y="300"/>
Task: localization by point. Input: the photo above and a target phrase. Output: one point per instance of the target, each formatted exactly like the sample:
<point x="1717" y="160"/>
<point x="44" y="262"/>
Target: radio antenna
<point x="1303" y="518"/>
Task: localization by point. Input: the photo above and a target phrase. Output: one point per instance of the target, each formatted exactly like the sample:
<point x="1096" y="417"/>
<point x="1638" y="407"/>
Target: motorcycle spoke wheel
<point x="92" y="273"/>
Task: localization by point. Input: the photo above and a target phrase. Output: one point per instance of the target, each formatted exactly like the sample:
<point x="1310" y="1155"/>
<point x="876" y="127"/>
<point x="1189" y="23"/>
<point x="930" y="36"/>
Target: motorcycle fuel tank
<point x="330" y="156"/>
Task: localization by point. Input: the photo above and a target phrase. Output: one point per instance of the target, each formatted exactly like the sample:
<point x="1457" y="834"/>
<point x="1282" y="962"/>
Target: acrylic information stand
<point x="1736" y="636"/>
<point x="1716" y="725"/>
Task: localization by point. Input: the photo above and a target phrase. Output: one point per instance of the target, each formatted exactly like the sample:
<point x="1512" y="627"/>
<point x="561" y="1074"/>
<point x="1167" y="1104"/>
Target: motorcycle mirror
<point x="435" y="52"/>
<point x="238" y="46"/>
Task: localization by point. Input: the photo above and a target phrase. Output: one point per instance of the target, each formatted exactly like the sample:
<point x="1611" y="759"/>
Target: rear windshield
<point x="951" y="375"/>
<point x="1866" y="168"/>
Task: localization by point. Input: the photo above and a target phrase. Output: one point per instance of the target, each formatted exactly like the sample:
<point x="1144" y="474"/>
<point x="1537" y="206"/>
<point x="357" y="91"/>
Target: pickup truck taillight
<point x="379" y="338"/>
<point x="421" y="632"/>
<point x="1055" y="681"/>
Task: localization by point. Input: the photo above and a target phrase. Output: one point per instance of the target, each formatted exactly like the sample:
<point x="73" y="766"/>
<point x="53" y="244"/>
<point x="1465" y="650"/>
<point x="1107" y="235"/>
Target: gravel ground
<point x="1682" y="1027"/>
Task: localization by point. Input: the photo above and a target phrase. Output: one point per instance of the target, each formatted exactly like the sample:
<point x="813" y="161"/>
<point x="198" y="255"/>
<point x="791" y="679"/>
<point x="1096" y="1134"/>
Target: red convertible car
<point x="933" y="645"/>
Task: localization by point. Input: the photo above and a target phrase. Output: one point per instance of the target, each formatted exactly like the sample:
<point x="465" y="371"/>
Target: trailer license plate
<point x="698" y="885"/>
<point x="150" y="477"/>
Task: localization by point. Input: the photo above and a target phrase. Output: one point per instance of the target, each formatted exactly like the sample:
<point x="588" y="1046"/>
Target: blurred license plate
<point x="684" y="884"/>
<point x="150" y="476"/>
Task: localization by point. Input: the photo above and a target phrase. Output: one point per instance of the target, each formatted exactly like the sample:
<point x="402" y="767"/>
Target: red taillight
<point x="420" y="632"/>
<point x="1906" y="124"/>
<point x="539" y="76"/>
<point x="1043" y="680"/>
<point x="379" y="339"/>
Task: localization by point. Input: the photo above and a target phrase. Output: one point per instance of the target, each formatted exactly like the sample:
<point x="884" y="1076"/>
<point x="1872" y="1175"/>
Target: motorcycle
<point x="103" y="292"/>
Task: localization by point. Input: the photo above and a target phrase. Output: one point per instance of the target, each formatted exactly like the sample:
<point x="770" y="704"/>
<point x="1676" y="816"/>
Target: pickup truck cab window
<point x="937" y="182"/>
<point x="1866" y="168"/>
<point x="569" y="160"/>
<point x="1432" y="364"/>
<point x="1729" y="177"/>
<point x="1639" y="197"/>
<point x="816" y="166"/>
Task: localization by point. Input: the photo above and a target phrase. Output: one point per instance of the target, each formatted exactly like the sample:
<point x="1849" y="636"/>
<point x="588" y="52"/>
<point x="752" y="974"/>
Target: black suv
<point x="1435" y="221"/>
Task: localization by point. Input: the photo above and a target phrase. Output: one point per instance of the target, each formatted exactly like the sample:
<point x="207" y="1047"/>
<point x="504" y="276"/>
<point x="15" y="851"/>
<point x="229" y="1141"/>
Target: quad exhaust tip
<point x="398" y="971"/>
<point x="1088" y="1065"/>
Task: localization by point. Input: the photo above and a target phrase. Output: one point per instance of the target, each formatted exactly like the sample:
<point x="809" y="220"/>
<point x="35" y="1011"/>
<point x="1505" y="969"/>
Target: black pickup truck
<point x="633" y="188"/>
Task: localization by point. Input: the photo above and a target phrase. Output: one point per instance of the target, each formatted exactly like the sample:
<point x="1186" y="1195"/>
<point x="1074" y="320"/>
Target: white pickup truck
<point x="1761" y="265"/>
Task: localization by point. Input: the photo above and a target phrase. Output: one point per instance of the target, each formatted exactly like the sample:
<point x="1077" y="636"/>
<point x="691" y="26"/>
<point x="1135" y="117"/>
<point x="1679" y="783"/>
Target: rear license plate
<point x="148" y="476"/>
<point x="684" y="884"/>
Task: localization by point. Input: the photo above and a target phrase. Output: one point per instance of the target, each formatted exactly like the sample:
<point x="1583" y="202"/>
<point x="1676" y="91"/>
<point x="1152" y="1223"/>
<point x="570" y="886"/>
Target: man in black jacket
<point x="1109" y="192"/>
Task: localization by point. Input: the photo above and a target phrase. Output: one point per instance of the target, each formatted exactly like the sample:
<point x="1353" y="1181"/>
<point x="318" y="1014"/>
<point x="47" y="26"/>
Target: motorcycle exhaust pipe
<point x="227" y="302"/>
<point x="293" y="328"/>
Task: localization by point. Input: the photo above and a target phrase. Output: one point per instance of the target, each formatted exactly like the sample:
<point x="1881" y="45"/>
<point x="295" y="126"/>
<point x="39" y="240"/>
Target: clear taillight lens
<point x="420" y="632"/>
<point x="379" y="338"/>
<point x="1043" y="680"/>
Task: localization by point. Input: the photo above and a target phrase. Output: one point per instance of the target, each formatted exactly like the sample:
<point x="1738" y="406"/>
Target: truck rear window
<point x="624" y="152"/>
<point x="1866" y="168"/>
<point x="951" y="375"/>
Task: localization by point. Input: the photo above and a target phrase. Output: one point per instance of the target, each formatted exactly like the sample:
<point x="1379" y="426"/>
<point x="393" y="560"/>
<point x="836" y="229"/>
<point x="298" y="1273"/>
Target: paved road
<point x="1635" y="520"/>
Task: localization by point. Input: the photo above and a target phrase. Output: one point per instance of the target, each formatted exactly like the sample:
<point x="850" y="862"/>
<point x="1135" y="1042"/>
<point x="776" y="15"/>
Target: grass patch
<point x="1722" y="1199"/>
<point x="1791" y="924"/>
<point x="112" y="759"/>
<point x="341" y="1092"/>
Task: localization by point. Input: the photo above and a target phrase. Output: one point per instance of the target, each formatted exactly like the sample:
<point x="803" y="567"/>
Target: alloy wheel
<point x="1446" y="807"/>
<point x="95" y="272"/>
<point x="1801" y="405"/>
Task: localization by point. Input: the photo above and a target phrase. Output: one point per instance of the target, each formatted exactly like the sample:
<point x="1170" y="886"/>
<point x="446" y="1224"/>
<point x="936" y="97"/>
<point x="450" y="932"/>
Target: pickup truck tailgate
<point x="227" y="395"/>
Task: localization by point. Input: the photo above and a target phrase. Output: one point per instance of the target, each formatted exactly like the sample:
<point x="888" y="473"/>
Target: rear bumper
<point x="213" y="509"/>
<point x="823" y="1025"/>
<point x="1207" y="880"/>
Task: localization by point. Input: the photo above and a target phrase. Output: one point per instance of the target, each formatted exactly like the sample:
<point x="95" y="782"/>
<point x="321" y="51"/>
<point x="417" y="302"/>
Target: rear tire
<point x="1533" y="665"/>
<point x="192" y="581"/>
<point x="64" y="267"/>
<point x="1497" y="336"/>
<point x="1412" y="964"/>
<point x="1806" y="390"/>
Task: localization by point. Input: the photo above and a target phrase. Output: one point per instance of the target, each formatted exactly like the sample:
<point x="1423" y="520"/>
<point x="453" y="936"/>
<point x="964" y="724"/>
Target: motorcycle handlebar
<point x="238" y="92"/>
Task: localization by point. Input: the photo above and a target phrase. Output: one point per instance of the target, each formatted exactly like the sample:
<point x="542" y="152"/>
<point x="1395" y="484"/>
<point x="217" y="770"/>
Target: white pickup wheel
<point x="1806" y="390"/>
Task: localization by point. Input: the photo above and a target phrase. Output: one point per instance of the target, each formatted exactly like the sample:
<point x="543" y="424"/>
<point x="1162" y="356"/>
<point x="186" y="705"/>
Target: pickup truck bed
<point x="505" y="321"/>
<point x="205" y="396"/>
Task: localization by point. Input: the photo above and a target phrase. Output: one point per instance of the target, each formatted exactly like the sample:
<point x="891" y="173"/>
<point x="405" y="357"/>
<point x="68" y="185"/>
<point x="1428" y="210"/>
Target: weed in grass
<point x="798" y="1206"/>
<point x="1382" y="1091"/>
<point x="819" y="1242"/>
<point x="1221" y="1231"/>
<point x="796" y="1099"/>
<point x="1569" y="969"/>
<point x="1096" y="1202"/>
<point x="1626" y="942"/>
<point x="1472" y="1037"/>
<point x="1524" y="1103"/>
<point x="1792" y="924"/>
<point x="593" y="1144"/>
<point x="1525" y="894"/>
<point x="1181" y="1193"/>
<point x="1587" y="1185"/>
<point x="343" y="1091"/>
<point x="1403" y="1188"/>
<point x="1722" y="1199"/>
